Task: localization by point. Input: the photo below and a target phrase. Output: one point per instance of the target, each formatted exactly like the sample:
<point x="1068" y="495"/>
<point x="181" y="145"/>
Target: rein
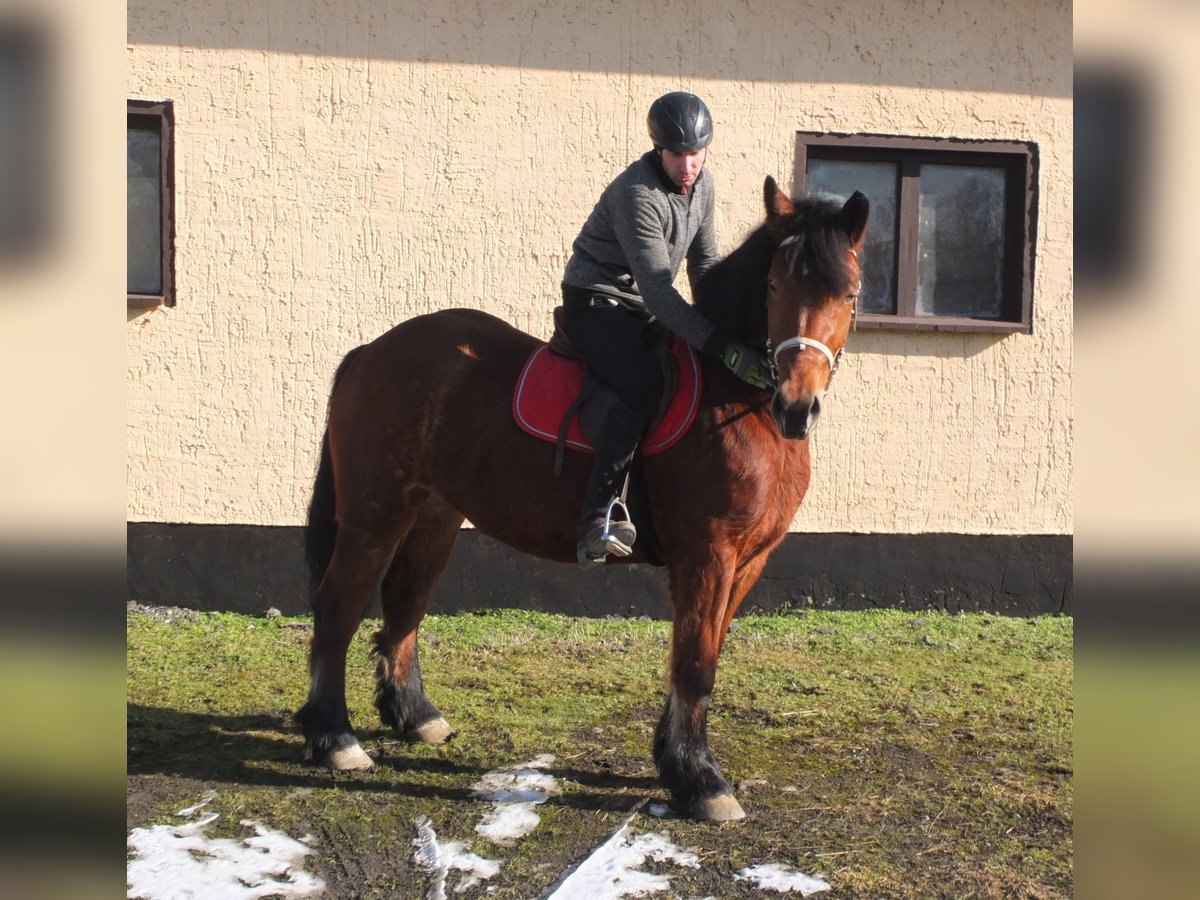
<point x="751" y="408"/>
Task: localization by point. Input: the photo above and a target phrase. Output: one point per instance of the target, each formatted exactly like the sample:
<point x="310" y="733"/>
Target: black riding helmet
<point x="680" y="122"/>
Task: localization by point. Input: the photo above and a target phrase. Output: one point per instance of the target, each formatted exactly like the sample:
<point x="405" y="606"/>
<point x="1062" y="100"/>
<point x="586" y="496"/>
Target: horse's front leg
<point x="701" y="595"/>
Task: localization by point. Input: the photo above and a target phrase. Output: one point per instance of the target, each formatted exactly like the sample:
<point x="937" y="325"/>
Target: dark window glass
<point x="878" y="263"/>
<point x="960" y="242"/>
<point x="144" y="255"/>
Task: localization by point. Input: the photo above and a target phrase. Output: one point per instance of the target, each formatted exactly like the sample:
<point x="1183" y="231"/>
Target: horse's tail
<point x="321" y="533"/>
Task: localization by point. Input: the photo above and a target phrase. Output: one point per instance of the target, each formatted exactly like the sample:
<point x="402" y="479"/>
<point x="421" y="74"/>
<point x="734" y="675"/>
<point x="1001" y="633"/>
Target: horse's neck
<point x="789" y="473"/>
<point x="723" y="389"/>
<point x="775" y="470"/>
<point x="731" y="404"/>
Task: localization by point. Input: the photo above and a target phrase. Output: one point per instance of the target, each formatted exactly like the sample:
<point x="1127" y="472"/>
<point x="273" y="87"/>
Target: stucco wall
<point x="344" y="165"/>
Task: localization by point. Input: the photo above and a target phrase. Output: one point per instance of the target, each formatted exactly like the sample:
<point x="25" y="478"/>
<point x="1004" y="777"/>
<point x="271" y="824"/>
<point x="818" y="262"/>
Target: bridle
<point x="800" y="342"/>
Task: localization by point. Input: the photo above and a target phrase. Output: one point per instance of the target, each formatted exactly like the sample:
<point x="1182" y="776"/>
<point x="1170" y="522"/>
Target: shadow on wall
<point x="1001" y="46"/>
<point x="250" y="568"/>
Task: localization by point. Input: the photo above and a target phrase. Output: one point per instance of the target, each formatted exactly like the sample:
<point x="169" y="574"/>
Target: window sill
<point x="877" y="322"/>
<point x="145" y="301"/>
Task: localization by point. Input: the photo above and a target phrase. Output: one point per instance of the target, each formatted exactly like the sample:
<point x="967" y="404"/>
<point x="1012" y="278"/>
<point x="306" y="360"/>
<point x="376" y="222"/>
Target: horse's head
<point x="812" y="290"/>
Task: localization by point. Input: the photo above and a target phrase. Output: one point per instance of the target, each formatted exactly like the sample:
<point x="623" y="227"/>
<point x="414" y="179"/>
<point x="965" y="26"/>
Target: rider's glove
<point x="747" y="364"/>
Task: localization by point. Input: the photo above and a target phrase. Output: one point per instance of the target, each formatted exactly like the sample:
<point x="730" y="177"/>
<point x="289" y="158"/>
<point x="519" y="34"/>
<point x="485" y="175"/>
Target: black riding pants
<point x="620" y="348"/>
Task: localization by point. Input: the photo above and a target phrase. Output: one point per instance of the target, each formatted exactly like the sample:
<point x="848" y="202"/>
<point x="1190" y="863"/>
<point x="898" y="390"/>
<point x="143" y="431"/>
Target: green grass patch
<point x="902" y="755"/>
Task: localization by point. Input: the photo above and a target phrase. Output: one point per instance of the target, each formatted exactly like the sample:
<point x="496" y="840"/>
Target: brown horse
<point x="420" y="437"/>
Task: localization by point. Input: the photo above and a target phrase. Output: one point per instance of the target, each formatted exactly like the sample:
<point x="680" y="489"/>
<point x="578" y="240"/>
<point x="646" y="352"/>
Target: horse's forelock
<point x="820" y="250"/>
<point x="733" y="294"/>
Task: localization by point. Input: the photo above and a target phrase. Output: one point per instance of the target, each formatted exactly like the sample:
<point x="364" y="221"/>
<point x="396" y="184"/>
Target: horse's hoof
<point x="435" y="731"/>
<point x="721" y="808"/>
<point x="348" y="759"/>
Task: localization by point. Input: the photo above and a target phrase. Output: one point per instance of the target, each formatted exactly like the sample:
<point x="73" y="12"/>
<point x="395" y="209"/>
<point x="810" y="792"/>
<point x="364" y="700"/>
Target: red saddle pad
<point x="549" y="384"/>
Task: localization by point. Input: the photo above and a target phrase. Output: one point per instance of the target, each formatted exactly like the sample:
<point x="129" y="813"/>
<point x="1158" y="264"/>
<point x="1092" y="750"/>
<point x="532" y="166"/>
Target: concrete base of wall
<point x="248" y="569"/>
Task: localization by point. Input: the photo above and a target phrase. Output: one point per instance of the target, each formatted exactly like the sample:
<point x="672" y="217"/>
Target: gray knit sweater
<point x="636" y="238"/>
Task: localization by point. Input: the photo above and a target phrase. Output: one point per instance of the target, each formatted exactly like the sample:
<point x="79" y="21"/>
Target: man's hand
<point x="749" y="365"/>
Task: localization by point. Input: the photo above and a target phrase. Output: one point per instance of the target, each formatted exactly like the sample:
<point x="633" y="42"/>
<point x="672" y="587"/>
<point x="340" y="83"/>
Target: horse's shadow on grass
<point x="262" y="750"/>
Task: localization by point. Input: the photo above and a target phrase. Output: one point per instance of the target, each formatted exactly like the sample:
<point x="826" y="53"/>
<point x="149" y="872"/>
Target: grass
<point x="902" y="755"/>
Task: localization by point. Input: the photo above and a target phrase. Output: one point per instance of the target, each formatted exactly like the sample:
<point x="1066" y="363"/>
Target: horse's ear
<point x="854" y="218"/>
<point x="778" y="203"/>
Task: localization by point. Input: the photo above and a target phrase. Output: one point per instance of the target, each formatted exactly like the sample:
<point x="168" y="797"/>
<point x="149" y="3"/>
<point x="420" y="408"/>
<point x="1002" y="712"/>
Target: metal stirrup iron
<point x="612" y="543"/>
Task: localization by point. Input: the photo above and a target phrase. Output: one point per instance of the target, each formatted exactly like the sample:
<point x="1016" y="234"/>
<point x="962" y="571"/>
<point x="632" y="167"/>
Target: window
<point x="950" y="240"/>
<point x="1113" y="116"/>
<point x="28" y="200"/>
<point x="150" y="190"/>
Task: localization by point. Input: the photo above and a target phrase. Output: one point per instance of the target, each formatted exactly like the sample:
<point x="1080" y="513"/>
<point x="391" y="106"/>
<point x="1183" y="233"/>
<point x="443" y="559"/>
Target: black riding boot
<point x="604" y="525"/>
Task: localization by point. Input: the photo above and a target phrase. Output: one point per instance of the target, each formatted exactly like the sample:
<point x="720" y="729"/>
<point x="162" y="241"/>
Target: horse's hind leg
<point x="359" y="558"/>
<point x="407" y="589"/>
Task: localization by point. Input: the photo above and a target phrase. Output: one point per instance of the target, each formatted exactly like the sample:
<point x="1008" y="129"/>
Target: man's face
<point x="684" y="168"/>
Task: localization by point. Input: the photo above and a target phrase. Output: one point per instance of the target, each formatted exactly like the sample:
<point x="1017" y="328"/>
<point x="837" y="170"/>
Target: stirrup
<point x="607" y="535"/>
<point x="618" y="536"/>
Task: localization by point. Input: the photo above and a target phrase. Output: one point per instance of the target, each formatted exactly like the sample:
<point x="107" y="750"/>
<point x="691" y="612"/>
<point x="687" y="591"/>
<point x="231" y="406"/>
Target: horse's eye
<point x="770" y="284"/>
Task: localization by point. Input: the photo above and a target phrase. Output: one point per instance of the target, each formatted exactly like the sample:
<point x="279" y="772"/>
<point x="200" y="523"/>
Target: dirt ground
<point x="878" y="814"/>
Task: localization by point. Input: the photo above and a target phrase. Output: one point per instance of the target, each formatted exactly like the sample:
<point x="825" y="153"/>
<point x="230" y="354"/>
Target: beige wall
<point x="345" y="165"/>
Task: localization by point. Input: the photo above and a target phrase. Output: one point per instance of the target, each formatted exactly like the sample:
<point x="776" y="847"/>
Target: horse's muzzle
<point x="797" y="419"/>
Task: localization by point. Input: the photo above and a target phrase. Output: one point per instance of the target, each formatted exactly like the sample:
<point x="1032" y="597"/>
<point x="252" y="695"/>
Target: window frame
<point x="1019" y="161"/>
<point x="159" y="115"/>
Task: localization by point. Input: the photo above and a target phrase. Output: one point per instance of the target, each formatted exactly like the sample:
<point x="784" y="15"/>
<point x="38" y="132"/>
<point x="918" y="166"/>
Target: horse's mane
<point x="733" y="293"/>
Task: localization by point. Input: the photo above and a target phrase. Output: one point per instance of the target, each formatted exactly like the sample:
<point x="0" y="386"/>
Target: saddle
<point x="556" y="393"/>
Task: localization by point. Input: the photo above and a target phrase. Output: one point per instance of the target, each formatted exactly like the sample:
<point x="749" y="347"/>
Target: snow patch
<point x="774" y="877"/>
<point x="188" y="811"/>
<point x="613" y="869"/>
<point x="170" y="861"/>
<point x="515" y="792"/>
<point x="439" y="859"/>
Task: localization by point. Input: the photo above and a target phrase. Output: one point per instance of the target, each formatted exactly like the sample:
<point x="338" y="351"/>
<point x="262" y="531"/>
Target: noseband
<point x="801" y="342"/>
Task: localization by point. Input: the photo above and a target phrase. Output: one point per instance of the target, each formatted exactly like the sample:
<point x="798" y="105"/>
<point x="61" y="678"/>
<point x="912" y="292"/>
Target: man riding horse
<point x="619" y="301"/>
<point x="421" y="436"/>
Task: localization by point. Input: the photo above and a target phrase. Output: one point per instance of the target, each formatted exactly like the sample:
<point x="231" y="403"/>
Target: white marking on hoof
<point x="721" y="808"/>
<point x="435" y="731"/>
<point x="348" y="759"/>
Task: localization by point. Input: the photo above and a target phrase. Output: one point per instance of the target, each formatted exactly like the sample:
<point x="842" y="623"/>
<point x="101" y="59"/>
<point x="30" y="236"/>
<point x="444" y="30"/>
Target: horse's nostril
<point x="796" y="419"/>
